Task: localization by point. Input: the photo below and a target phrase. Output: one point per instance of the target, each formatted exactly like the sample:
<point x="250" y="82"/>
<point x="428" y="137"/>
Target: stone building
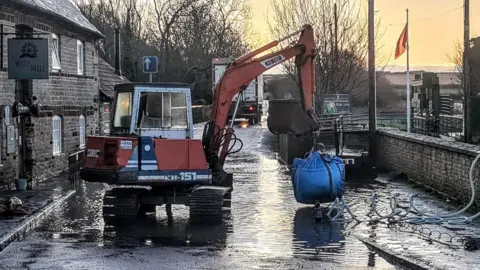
<point x="68" y="101"/>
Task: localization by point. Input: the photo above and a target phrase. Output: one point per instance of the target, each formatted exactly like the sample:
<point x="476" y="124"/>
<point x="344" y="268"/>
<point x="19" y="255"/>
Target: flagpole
<point x="409" y="109"/>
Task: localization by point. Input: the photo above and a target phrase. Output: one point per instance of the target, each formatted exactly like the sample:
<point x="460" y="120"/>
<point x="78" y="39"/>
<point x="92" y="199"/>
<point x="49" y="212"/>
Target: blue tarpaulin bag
<point x="318" y="178"/>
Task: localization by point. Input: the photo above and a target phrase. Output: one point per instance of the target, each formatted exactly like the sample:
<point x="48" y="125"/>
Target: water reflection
<point x="79" y="220"/>
<point x="81" y="213"/>
<point x="265" y="215"/>
<point x="150" y="231"/>
<point x="317" y="239"/>
<point x="273" y="218"/>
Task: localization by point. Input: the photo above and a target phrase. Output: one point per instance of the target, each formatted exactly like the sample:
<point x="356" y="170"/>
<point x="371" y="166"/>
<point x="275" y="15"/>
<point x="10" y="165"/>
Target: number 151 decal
<point x="188" y="176"/>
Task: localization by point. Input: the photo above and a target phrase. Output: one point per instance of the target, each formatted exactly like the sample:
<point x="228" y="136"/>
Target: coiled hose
<point x="341" y="206"/>
<point x="213" y="134"/>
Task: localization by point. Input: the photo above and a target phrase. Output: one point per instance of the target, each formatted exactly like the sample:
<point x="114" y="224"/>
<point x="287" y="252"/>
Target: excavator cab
<point x="286" y="116"/>
<point x="153" y="110"/>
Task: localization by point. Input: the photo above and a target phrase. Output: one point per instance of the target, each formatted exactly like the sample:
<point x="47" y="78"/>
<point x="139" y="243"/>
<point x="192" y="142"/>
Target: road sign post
<point x="150" y="66"/>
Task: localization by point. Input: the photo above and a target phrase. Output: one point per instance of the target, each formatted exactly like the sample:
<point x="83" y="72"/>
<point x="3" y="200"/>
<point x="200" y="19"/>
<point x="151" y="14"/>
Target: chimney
<point x="118" y="58"/>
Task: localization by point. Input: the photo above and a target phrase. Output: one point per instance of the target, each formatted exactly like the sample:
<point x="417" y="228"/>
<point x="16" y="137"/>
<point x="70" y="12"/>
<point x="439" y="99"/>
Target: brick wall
<point x="440" y="164"/>
<point x="65" y="93"/>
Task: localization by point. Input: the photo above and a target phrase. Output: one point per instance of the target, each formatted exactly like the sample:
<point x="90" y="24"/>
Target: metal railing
<point x="447" y="125"/>
<point x="361" y="121"/>
<point x="338" y="135"/>
<point x="339" y="124"/>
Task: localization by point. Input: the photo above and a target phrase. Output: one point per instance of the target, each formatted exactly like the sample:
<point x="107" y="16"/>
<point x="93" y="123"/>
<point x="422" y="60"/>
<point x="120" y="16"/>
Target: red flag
<point x="401" y="43"/>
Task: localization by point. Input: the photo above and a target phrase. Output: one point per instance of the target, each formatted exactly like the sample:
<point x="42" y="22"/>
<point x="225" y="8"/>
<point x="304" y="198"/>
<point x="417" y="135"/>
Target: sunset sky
<point x="434" y="27"/>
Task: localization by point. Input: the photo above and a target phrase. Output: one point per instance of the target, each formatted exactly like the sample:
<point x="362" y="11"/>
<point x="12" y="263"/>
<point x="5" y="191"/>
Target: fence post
<point x="337" y="146"/>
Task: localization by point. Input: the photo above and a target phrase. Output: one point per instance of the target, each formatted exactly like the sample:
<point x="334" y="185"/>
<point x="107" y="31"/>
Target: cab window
<point x="123" y="110"/>
<point x="162" y="110"/>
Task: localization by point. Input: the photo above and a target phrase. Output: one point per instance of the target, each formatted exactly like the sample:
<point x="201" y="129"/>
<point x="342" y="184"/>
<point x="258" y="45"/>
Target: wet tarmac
<point x="267" y="229"/>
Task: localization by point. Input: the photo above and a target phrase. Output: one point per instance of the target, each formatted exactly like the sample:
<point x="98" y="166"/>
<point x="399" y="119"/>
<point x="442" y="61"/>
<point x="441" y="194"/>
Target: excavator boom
<point x="289" y="116"/>
<point x="243" y="70"/>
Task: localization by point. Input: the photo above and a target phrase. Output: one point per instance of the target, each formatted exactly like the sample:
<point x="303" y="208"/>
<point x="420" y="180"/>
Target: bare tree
<point x="341" y="40"/>
<point x="183" y="33"/>
<point x="456" y="58"/>
<point x="386" y="97"/>
<point x="165" y="14"/>
<point x="126" y="15"/>
<point x="231" y="25"/>
<point x="212" y="29"/>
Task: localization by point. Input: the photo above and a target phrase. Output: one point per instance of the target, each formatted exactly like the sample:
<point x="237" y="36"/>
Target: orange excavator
<point x="151" y="142"/>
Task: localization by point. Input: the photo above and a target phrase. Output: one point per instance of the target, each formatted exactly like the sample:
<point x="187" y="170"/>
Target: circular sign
<point x="147" y="148"/>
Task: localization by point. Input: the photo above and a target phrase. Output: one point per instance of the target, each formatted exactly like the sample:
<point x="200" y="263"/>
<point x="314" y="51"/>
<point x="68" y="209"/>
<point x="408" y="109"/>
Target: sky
<point x="434" y="26"/>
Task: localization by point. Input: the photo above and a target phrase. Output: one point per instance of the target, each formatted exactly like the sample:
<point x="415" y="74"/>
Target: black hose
<point x="210" y="137"/>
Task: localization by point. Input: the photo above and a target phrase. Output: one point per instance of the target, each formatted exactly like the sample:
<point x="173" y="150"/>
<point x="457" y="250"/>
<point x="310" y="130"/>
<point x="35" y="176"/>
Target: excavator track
<point x="121" y="203"/>
<point x="206" y="204"/>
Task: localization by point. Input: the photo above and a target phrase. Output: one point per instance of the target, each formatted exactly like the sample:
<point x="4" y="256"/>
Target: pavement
<point x="267" y="229"/>
<point x="40" y="201"/>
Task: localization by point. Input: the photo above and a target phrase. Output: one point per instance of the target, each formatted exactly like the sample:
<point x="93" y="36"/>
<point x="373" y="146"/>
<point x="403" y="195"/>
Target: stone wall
<point x="66" y="94"/>
<point x="437" y="163"/>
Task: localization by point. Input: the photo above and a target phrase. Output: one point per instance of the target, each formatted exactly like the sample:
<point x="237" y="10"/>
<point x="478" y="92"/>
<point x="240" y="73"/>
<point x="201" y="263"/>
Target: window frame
<point x="56" y="53"/>
<point x="117" y="109"/>
<point x="57" y="131"/>
<point x="167" y="112"/>
<point x="80" y="57"/>
<point x="82" y="122"/>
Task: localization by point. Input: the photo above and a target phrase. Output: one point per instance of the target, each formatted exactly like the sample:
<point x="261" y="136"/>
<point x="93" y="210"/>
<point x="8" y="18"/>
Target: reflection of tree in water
<point x="320" y="237"/>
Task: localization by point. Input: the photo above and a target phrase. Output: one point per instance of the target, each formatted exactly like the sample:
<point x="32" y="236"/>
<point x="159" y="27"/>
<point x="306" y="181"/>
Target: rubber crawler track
<point x="206" y="205"/>
<point x="121" y="203"/>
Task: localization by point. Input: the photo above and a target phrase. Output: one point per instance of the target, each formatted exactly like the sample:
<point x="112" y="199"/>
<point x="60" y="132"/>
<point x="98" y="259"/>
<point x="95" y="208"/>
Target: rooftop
<point x="64" y="9"/>
<point x="108" y="78"/>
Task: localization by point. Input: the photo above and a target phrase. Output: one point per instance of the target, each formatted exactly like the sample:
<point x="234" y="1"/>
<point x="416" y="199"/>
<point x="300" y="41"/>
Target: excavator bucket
<point x="286" y="116"/>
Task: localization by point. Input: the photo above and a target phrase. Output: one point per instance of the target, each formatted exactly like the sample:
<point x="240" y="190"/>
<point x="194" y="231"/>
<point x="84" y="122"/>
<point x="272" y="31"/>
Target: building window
<point x="81" y="132"/>
<point x="80" y="57"/>
<point x="57" y="134"/>
<point x="55" y="52"/>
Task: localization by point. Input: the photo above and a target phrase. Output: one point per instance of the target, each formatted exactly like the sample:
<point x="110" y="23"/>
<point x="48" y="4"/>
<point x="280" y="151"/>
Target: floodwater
<point x="267" y="229"/>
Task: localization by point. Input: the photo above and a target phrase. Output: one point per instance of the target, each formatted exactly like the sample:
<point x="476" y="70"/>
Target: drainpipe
<point x="118" y="60"/>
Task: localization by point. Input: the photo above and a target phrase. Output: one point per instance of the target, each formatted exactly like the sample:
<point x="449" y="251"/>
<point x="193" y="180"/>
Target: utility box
<point x="11" y="139"/>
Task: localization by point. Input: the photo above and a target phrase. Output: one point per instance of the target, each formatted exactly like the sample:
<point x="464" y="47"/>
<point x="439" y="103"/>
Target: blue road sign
<point x="150" y="64"/>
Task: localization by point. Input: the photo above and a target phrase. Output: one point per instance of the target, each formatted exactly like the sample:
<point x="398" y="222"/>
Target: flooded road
<point x="267" y="228"/>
